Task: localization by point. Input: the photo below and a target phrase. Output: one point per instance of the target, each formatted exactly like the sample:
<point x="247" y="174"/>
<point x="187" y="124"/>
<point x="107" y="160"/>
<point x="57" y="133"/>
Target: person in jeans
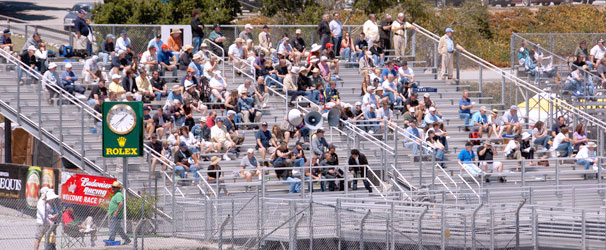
<point x="465" y="105"/>
<point x="28" y="58"/>
<point x="466" y="158"/>
<point x="115" y="212"/>
<point x="197" y="29"/>
<point x="586" y="156"/>
<point x="539" y="135"/>
<point x="107" y="48"/>
<point x="68" y="79"/>
<point x="562" y="143"/>
<point x="182" y="161"/>
<point x="413" y="137"/>
<point x="335" y="29"/>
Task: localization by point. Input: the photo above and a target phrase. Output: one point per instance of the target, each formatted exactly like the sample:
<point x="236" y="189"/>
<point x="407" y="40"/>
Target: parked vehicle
<point x="73" y="13"/>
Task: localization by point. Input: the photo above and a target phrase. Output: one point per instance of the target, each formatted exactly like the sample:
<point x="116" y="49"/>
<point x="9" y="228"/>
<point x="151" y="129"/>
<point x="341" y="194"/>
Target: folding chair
<point x="72" y="237"/>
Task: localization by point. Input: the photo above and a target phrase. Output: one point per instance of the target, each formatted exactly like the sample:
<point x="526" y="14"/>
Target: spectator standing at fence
<point x="398" y="28"/>
<point x="465" y="105"/>
<point x="385" y="33"/>
<point x="586" y="156"/>
<point x="446" y="48"/>
<point x="197" y="29"/>
<point x="44" y="216"/>
<point x="324" y="31"/>
<point x="371" y="29"/>
<point x="597" y="52"/>
<point x="115" y="212"/>
<point x="265" y="39"/>
<point x="82" y="29"/>
<point x="336" y="30"/>
<point x="6" y="42"/>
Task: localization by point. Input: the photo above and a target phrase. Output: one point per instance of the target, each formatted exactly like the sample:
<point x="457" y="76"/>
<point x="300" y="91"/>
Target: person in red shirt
<point x="75" y="228"/>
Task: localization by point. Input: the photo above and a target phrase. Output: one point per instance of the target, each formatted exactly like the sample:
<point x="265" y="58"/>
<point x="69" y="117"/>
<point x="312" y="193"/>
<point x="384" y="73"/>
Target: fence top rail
<point x="158" y="25"/>
<point x="556" y="34"/>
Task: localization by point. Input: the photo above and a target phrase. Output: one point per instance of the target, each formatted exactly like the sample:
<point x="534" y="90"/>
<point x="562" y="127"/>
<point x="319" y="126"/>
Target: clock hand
<point x="119" y="121"/>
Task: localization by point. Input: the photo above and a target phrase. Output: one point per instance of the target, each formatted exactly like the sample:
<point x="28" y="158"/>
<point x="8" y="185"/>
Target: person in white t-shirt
<point x="218" y="86"/>
<point x="562" y="143"/>
<point x="597" y="52"/>
<point x="586" y="156"/>
<point x="369" y="98"/>
<point x="221" y="138"/>
<point x="149" y="59"/>
<point x="512" y="150"/>
<point x="385" y="114"/>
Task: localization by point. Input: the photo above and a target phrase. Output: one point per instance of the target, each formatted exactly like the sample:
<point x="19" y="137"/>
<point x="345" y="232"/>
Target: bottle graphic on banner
<point x="48" y="178"/>
<point x="32" y="186"/>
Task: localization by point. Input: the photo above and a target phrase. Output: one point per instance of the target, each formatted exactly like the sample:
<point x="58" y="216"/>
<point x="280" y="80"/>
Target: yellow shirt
<point x="396" y="25"/>
<point x="143" y="84"/>
<point x="116" y="88"/>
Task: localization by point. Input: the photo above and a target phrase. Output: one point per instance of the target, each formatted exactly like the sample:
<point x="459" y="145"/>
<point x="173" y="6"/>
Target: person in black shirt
<point x="324" y="31"/>
<point x="97" y="91"/>
<point x="119" y="61"/>
<point x="182" y="161"/>
<point x="162" y="122"/>
<point x="82" y="29"/>
<point x="158" y="86"/>
<point x="385" y="33"/>
<point x="378" y="55"/>
<point x="412" y="102"/>
<point x="359" y="160"/>
<point x="28" y="58"/>
<point x="128" y="83"/>
<point x="486" y="154"/>
<point x="214" y="177"/>
<point x="298" y="44"/>
<point x="197" y="30"/>
<point x="157" y="150"/>
<point x="107" y="48"/>
<point x="360" y="45"/>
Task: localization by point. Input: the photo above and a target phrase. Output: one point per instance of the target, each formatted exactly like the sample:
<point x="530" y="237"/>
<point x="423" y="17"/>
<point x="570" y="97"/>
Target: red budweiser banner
<point x="87" y="190"/>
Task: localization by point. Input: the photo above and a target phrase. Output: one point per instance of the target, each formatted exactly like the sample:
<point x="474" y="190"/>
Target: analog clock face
<point x="121" y="119"/>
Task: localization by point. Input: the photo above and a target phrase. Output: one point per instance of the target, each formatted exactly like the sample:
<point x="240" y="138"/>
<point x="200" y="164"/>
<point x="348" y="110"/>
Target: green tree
<point x="374" y="6"/>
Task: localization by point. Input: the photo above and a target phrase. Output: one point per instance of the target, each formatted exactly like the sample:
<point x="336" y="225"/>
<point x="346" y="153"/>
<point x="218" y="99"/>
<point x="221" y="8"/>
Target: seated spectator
<point x="265" y="141"/>
<point x="285" y="49"/>
<point x="406" y="74"/>
<point x="557" y="126"/>
<point x="28" y="58"/>
<point x="530" y="64"/>
<point x="148" y="125"/>
<point x="513" y="150"/>
<point x="511" y="122"/>
<point x="184" y="162"/>
<point x="156" y="42"/>
<point x="51" y="77"/>
<point x="304" y="83"/>
<point x="324" y="67"/>
<point x="465" y="105"/>
<point x="162" y="123"/>
<point x="409" y="117"/>
<point x="68" y="80"/>
<point x="218" y="86"/>
<point x="332" y="61"/>
<point x="439" y="134"/>
<point x="602" y="72"/>
<point x="123" y="41"/>
<point x="232" y="128"/>
<point x="497" y="125"/>
<point x="186" y="57"/>
<point x="367" y="69"/>
<point x="119" y="62"/>
<point x="486" y="155"/>
<point x="348" y="49"/>
<point x="391" y="90"/>
<point x="331" y="94"/>
<point x="358" y="115"/>
<point x="579" y="137"/>
<point x="370" y="98"/>
<point x="249" y="166"/>
<point x="319" y="144"/>
<point x="91" y="70"/>
<point x="177" y="112"/>
<point x="217" y="37"/>
<point x="6" y="42"/>
<point x="201" y="132"/>
<point x="597" y="52"/>
<point x="412" y="102"/>
<point x="291" y="86"/>
<point x="116" y="88"/>
<point x="237" y="54"/>
<point x="298" y="46"/>
<point x="316" y="175"/>
<point x="98" y="91"/>
<point x="247" y="108"/>
<point x="278" y="73"/>
<point x="145" y="87"/>
<point x="149" y="59"/>
<point x="432" y="117"/>
<point x="526" y="150"/>
<point x="523" y="53"/>
<point x="413" y="138"/>
<point x="539" y="135"/>
<point x="175" y="42"/>
<point x="107" y="48"/>
<point x="576" y="83"/>
<point x="428" y="103"/>
<point x="214" y="175"/>
<point x="385" y="114"/>
<point x="78" y="228"/>
<point x="317" y="95"/>
<point x="479" y="122"/>
<point x="405" y="90"/>
<point x="378" y="55"/>
<point x="331" y="173"/>
<point x="221" y="138"/>
<point x="587" y="157"/>
<point x="361" y="44"/>
<point x="466" y="158"/>
<point x="174" y="94"/>
<point x="129" y="83"/>
<point x="167" y="62"/>
<point x="41" y="55"/>
<point x="372" y="120"/>
<point x="433" y="141"/>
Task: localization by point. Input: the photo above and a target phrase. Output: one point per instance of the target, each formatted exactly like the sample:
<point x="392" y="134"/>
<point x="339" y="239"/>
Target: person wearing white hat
<point x="44" y="214"/>
<point x="525" y="147"/>
<point x="409" y="116"/>
<point x="586" y="156"/>
<point x="68" y="80"/>
<point x="369" y="98"/>
<point x="116" y="86"/>
<point x="246" y="33"/>
<point x="91" y="71"/>
<point x="373" y="121"/>
<point x="28" y="58"/>
<point x="446" y="48"/>
<point x="249" y="166"/>
<point x="285" y="49"/>
<point x="399" y="27"/>
<point x="237" y="54"/>
<point x="366" y="67"/>
<point x="50" y="77"/>
<point x="218" y="86"/>
<point x="479" y="122"/>
<point x="291" y="85"/>
<point x="432" y="117"/>
<point x="298" y="45"/>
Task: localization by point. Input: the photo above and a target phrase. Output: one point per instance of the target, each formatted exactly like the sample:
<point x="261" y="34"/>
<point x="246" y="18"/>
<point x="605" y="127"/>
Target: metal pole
<point x="458" y="67"/>
<point x="8" y="157"/>
<point x="384" y="152"/>
<point x="391" y="229"/>
<point x="362" y="229"/>
<point x="473" y="226"/>
<point x="82" y="139"/>
<point x="511" y="52"/>
<point x="61" y="129"/>
<point x="395" y="148"/>
<point x="535" y="237"/>
<point x="583" y="230"/>
<point x="480" y="86"/>
<point x="420" y="166"/>
<point x="523" y="173"/>
<point x="233" y="214"/>
<point x="40" y="111"/>
<point x="311" y="226"/>
<point x="420" y="228"/>
<point x="492" y="228"/>
<point x="125" y="186"/>
<point x="503" y="89"/>
<point x="338" y="213"/>
<point x="443" y="225"/>
<point x="557" y="173"/>
<point x="174" y="213"/>
<point x="518" y="223"/>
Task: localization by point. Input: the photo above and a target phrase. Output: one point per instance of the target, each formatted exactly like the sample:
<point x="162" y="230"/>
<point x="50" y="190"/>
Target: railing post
<point x="413" y="45"/>
<point x="583" y="230"/>
<point x="518" y="223"/>
<point x="557" y="174"/>
<point x="442" y="226"/>
<point x="310" y="225"/>
<point x="512" y="52"/>
<point x="292" y="211"/>
<point x="338" y="213"/>
<point x="550" y="42"/>
<point x="420" y="229"/>
<point x="503" y="89"/>
<point x="362" y="229"/>
<point x="174" y="212"/>
<point x="523" y="173"/>
<point x="458" y="66"/>
<point x="391" y="229"/>
<point x="220" y="244"/>
<point x="384" y="155"/>
<point x="481" y="85"/>
<point x="492" y="228"/>
<point x="420" y="165"/>
<point x="40" y="110"/>
<point x="535" y="236"/>
<point x="473" y="226"/>
<point x="82" y="154"/>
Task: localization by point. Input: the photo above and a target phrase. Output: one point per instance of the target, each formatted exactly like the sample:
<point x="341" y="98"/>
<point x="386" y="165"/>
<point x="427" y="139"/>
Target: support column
<point x="8" y="157"/>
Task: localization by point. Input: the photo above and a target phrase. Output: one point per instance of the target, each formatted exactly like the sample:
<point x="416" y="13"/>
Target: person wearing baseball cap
<point x="447" y="47"/>
<point x="217" y="37"/>
<point x="432" y="117"/>
<point x="232" y="129"/>
<point x="246" y="33"/>
<point x="68" y="80"/>
<point x="597" y="52"/>
<point x="486" y="154"/>
<point x="511" y="121"/>
<point x="166" y="61"/>
<point x="249" y="166"/>
<point x="479" y="122"/>
<point x="587" y="157"/>
<point x="115" y="212"/>
<point x="28" y="58"/>
<point x="236" y="53"/>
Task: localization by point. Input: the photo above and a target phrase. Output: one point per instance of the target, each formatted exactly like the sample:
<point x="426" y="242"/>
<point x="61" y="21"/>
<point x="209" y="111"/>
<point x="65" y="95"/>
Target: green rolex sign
<point x="122" y="129"/>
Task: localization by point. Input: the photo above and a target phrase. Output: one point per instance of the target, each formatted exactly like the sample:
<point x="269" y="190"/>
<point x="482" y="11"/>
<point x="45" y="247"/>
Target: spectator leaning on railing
<point x="446" y="48"/>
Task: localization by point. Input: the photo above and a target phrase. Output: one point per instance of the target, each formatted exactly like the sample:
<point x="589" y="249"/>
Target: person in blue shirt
<point x="331" y="94"/>
<point x="388" y="70"/>
<point x="197" y="66"/>
<point x="466" y="158"/>
<point x="175" y="94"/>
<point x="156" y="41"/>
<point x="465" y="106"/>
<point x="371" y="116"/>
<point x="68" y="78"/>
<point x="167" y="62"/>
<point x="413" y="137"/>
<point x="479" y="122"/>
<point x="432" y="117"/>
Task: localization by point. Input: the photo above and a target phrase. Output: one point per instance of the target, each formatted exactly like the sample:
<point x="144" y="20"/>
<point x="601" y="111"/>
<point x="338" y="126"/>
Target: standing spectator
<point x="68" y="80"/>
<point x="82" y="29"/>
<point x="398" y="28"/>
<point x="466" y="158"/>
<point x="336" y="29"/>
<point x="324" y="31"/>
<point x="385" y="32"/>
<point x="6" y="42"/>
<point x="115" y="212"/>
<point x="167" y="62"/>
<point x="44" y="214"/>
<point x="197" y="29"/>
<point x="486" y="155"/>
<point x="465" y="105"/>
<point x="29" y="59"/>
<point x="107" y="48"/>
<point x="479" y="122"/>
<point x="597" y="52"/>
<point x="246" y="33"/>
<point x="539" y="135"/>
<point x="265" y="38"/>
<point x="511" y="120"/>
<point x="586" y="156"/>
<point x="446" y="48"/>
<point x="265" y="141"/>
<point x="371" y="29"/>
<point x="217" y="37"/>
<point x="562" y="143"/>
<point x="123" y="41"/>
<point x="359" y="160"/>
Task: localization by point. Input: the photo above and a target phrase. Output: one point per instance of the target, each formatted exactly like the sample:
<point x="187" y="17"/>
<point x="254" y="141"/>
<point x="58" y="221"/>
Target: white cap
<point x="43" y="191"/>
<point x="426" y="95"/>
<point x="368" y="53"/>
<point x="50" y="195"/>
<point x="298" y="31"/>
<point x="115" y="76"/>
<point x="372" y="106"/>
<point x="121" y="51"/>
<point x="231" y="112"/>
<point x="218" y="72"/>
<point x="188" y="84"/>
<point x="525" y="135"/>
<point x="68" y="65"/>
<point x="31" y="47"/>
<point x="94" y="58"/>
<point x="294" y="69"/>
<point x="432" y="109"/>
<point x="411" y="110"/>
<point x="250" y="150"/>
<point x="248" y="26"/>
<point x="483" y="108"/>
<point x="52" y="65"/>
<point x="400" y="14"/>
<point x="358" y="103"/>
<point x="369" y="88"/>
<point x="323" y="58"/>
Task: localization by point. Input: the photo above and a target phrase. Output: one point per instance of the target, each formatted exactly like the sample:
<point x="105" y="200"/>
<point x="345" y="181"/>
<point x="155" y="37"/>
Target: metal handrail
<point x="473" y="178"/>
<point x="405" y="133"/>
<point x="222" y="53"/>
<point x="519" y="82"/>
<point x="400" y="176"/>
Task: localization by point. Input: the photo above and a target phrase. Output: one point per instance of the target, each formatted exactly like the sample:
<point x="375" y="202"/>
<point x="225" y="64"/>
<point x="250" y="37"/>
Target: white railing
<point x="222" y="58"/>
<point x="465" y="171"/>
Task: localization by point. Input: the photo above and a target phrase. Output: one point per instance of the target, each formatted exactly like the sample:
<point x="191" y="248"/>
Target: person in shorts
<point x="486" y="155"/>
<point x="248" y="164"/>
